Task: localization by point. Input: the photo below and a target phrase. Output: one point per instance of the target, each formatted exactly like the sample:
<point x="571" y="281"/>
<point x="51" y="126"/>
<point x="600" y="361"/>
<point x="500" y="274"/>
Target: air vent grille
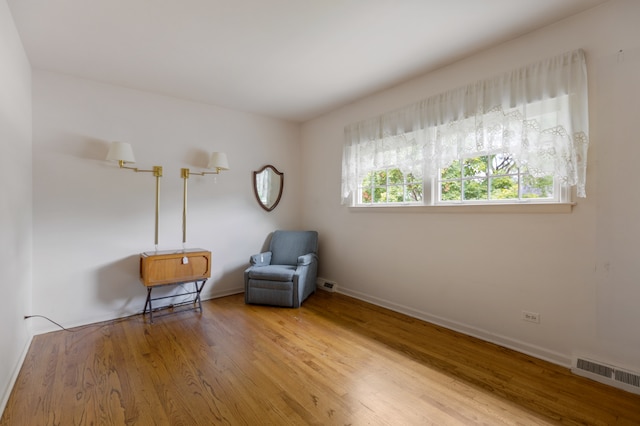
<point x="628" y="378"/>
<point x="607" y="374"/>
<point x="595" y="368"/>
<point x="327" y="285"/>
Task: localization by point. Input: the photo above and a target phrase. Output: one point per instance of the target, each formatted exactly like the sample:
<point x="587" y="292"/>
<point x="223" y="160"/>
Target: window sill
<point x="467" y="208"/>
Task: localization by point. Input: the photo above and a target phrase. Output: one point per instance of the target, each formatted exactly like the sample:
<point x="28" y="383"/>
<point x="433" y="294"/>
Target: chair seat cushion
<point x="272" y="273"/>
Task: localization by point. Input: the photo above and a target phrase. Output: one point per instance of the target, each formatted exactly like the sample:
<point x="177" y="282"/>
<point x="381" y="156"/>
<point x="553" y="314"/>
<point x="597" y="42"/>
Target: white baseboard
<point x="47" y="327"/>
<point x="516" y="345"/>
<point x="219" y="294"/>
<point x="14" y="376"/>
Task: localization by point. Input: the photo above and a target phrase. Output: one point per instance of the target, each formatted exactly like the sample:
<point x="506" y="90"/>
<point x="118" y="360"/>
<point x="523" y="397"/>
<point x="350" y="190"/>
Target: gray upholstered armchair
<point x="286" y="274"/>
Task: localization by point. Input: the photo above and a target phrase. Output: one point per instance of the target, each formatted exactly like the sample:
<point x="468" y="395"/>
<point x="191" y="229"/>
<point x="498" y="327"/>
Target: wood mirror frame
<point x="268" y="183"/>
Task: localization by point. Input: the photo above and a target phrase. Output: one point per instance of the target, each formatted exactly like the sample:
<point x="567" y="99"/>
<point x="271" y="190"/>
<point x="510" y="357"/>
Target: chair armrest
<point x="307" y="259"/>
<point x="261" y="259"/>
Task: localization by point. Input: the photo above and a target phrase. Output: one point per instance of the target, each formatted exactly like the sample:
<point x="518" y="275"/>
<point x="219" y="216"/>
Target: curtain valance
<point x="537" y="113"/>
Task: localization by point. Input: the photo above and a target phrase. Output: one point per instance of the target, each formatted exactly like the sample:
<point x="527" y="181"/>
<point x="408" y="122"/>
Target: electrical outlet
<point x="531" y="316"/>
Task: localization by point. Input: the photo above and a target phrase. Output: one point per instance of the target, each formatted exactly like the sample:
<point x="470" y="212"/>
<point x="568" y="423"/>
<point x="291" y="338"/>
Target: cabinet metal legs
<point x="196" y="301"/>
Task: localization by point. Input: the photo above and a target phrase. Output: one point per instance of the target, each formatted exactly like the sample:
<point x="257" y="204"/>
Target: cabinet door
<point x="172" y="268"/>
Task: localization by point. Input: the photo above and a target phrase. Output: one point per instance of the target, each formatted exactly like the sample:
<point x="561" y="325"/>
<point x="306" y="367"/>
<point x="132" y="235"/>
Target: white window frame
<point x="404" y="184"/>
<point x="561" y="193"/>
<point x="430" y="198"/>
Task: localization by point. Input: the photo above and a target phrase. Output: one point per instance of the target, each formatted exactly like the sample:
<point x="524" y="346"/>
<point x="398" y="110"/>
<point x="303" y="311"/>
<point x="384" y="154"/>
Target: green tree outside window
<point x="491" y="177"/>
<point x="391" y="186"/>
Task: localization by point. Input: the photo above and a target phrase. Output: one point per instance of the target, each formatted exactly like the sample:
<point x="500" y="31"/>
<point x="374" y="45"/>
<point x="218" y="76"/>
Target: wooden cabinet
<point x="158" y="268"/>
<point x="174" y="266"/>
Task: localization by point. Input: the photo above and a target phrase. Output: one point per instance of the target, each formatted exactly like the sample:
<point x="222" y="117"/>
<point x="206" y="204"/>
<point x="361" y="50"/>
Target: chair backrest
<point x="286" y="246"/>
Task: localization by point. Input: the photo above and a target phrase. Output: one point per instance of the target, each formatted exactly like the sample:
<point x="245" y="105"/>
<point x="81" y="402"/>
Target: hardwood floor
<point x="334" y="361"/>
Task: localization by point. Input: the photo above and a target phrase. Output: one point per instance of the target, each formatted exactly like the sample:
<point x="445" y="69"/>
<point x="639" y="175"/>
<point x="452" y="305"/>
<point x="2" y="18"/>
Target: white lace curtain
<point x="537" y="113"/>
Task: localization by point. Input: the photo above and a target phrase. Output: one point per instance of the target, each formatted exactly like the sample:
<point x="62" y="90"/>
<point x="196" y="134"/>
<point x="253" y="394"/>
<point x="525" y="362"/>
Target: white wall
<point x="477" y="272"/>
<point x="15" y="202"/>
<point x="91" y="219"/>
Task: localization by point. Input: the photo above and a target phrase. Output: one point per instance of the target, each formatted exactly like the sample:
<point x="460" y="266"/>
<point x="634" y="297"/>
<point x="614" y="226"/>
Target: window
<point x="492" y="179"/>
<point x="487" y="179"/>
<point x="390" y="186"/>
<point x="520" y="137"/>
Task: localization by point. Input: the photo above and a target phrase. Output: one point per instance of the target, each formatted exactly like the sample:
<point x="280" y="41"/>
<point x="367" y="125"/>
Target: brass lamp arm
<point x="157" y="170"/>
<point x="185" y="173"/>
<point x="217" y="172"/>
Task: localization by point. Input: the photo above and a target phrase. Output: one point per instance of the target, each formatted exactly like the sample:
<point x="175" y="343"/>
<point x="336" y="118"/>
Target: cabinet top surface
<point x="176" y="251"/>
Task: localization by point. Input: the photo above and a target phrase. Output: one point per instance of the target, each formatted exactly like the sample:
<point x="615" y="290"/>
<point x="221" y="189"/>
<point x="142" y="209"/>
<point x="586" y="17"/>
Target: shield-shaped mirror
<point x="268" y="183"/>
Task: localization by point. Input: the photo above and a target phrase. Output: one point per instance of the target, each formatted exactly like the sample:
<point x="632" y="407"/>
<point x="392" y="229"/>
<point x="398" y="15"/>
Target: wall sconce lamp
<point x="123" y="154"/>
<point x="218" y="162"/>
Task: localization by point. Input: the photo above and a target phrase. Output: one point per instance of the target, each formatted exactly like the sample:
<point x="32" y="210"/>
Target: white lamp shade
<point x="218" y="160"/>
<point x="121" y="151"/>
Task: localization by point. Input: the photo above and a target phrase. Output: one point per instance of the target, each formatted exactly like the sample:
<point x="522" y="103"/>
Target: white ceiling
<point x="291" y="59"/>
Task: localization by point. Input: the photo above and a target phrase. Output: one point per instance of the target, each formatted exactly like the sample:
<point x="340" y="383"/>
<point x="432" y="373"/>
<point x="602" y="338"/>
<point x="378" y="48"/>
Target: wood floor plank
<point x="334" y="361"/>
